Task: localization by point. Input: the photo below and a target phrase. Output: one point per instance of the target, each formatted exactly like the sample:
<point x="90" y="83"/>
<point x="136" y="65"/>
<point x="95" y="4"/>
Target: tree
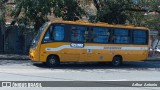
<point x="71" y="10"/>
<point x="35" y="10"/>
<point x="137" y="12"/>
<point x="2" y="14"/>
<point x="27" y="11"/>
<point x="120" y="11"/>
<point x="112" y="11"/>
<point x="153" y="22"/>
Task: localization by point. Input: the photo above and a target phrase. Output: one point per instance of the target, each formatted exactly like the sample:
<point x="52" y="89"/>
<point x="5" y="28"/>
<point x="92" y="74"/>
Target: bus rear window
<point x="121" y="36"/>
<point x="140" y="37"/>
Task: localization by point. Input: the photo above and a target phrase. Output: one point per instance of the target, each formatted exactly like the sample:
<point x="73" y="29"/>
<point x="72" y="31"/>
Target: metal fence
<point x="18" y="39"/>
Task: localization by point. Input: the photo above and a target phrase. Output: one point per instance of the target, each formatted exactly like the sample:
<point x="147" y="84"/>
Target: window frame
<point x="129" y="35"/>
<point x="147" y="36"/>
<point x="70" y="34"/>
<point x="67" y="34"/>
<point x="89" y="28"/>
<point x="109" y="30"/>
<point x="51" y="41"/>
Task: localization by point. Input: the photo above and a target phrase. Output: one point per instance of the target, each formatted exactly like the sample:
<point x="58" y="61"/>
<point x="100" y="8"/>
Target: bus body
<point x="69" y="41"/>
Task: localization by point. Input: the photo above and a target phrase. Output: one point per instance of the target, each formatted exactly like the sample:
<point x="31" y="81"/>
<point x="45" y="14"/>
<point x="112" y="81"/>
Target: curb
<point x="14" y="59"/>
<point x="153" y="59"/>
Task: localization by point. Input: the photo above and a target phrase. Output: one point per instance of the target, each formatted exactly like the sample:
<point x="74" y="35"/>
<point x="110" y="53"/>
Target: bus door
<point x="72" y="53"/>
<point x="75" y="35"/>
<point x="72" y="47"/>
<point x="54" y="42"/>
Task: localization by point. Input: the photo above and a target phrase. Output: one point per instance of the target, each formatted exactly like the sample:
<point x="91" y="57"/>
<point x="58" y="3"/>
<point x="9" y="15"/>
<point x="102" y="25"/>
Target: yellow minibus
<point x="79" y="41"/>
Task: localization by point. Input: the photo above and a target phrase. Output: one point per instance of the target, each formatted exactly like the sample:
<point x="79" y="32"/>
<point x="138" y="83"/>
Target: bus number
<point x="77" y="45"/>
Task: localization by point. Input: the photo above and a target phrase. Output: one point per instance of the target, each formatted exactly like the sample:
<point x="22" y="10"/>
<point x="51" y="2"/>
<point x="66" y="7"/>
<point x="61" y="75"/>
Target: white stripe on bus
<point x="97" y="48"/>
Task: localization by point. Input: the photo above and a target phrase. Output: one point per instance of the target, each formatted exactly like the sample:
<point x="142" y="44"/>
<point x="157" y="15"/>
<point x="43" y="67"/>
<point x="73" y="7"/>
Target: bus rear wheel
<point x="117" y="61"/>
<point x="52" y="61"/>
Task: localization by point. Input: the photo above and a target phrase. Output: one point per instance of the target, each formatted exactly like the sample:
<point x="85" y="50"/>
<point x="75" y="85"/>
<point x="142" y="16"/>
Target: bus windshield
<point x="38" y="35"/>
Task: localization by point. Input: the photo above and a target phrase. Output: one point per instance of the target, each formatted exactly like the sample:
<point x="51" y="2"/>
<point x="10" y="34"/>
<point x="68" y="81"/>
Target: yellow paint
<point x="83" y="55"/>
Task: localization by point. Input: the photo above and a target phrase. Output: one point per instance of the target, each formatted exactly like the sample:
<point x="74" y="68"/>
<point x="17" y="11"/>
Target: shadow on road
<point x="127" y="65"/>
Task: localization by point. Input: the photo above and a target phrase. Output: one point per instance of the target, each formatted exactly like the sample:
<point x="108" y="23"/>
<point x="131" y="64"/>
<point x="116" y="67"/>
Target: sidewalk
<point x="153" y="59"/>
<point x="13" y="57"/>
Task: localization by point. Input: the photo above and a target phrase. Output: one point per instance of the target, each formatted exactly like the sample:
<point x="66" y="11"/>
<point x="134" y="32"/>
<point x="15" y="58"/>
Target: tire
<point x="44" y="63"/>
<point x="117" y="61"/>
<point x="52" y="61"/>
<point x="102" y="63"/>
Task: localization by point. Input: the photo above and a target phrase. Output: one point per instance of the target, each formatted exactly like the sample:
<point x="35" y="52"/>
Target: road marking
<point x="114" y="80"/>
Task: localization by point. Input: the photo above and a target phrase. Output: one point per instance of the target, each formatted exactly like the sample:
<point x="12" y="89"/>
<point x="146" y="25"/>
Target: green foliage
<point x="114" y="11"/>
<point x="36" y="11"/>
<point x="2" y="15"/>
<point x="135" y="12"/>
<point x="110" y="11"/>
<point x="71" y="10"/>
<point x="153" y="22"/>
<point x="2" y="10"/>
<point x="30" y="8"/>
<point x="67" y="9"/>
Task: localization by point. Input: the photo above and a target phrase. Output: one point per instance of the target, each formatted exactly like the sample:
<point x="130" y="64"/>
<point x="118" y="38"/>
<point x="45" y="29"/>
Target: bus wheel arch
<point x="53" y="60"/>
<point x="117" y="60"/>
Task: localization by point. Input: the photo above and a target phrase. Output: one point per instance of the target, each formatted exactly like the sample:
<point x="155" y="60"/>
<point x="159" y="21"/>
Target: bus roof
<point x="102" y="24"/>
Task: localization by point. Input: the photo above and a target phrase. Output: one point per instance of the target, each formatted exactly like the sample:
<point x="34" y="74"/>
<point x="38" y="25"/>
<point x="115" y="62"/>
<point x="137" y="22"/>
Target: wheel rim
<point x="116" y="61"/>
<point x="52" y="61"/>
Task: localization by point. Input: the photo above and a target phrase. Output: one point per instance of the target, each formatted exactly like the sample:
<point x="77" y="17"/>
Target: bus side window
<point x="54" y="33"/>
<point x="91" y="36"/>
<point x="58" y="33"/>
<point x="86" y="36"/>
<point x="78" y="33"/>
<point x="121" y="36"/>
<point x="48" y="36"/>
<point x="74" y="34"/>
<point x="51" y="32"/>
<point x="100" y="35"/>
<point x="140" y="37"/>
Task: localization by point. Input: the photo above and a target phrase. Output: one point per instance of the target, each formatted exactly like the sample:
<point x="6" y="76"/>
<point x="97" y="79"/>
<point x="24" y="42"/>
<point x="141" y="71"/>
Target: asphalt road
<point x="26" y="70"/>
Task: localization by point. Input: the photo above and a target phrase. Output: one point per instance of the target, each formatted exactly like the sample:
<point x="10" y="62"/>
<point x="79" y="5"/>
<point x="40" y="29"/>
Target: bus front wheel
<point x="117" y="61"/>
<point x="52" y="61"/>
